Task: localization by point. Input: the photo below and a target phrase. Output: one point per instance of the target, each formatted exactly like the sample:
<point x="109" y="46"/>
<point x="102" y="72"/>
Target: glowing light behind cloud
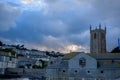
<point x="76" y="48"/>
<point x="33" y="4"/>
<point x="26" y="1"/>
<point x="64" y="28"/>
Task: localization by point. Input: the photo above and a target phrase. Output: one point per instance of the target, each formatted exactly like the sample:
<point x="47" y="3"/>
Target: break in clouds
<point x="58" y="25"/>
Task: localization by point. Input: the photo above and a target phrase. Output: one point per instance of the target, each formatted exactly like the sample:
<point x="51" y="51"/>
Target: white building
<point x="7" y="61"/>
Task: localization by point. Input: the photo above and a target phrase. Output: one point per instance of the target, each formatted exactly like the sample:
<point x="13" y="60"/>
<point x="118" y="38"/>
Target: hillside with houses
<point x="18" y="57"/>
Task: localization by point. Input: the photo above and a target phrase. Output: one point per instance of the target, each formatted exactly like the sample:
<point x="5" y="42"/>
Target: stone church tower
<point x="98" y="40"/>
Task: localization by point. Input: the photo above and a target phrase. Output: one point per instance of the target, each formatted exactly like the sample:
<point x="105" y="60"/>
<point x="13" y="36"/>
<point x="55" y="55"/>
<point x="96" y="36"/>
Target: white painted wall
<point x="6" y="63"/>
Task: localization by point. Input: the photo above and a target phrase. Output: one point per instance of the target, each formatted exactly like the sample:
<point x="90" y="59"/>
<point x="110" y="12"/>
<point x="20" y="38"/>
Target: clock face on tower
<point x="82" y="62"/>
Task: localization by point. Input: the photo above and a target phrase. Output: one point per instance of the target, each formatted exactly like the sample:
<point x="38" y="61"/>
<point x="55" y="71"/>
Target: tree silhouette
<point x="1" y="44"/>
<point x="116" y="50"/>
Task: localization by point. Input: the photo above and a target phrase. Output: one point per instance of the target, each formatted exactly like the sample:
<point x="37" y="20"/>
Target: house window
<point x="82" y="62"/>
<point x="51" y="62"/>
<point x="76" y="71"/>
<point x="98" y="64"/>
<point x="63" y="70"/>
<point x="10" y="58"/>
<point x="88" y="71"/>
<point x="113" y="61"/>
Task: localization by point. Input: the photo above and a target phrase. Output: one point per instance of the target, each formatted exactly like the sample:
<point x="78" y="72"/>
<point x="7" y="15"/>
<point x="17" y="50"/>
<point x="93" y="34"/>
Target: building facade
<point x="82" y="66"/>
<point x="99" y="65"/>
<point x="98" y="40"/>
<point x="7" y="61"/>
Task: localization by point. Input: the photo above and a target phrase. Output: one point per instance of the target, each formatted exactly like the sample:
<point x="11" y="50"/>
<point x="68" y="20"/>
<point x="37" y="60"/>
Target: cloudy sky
<point x="58" y="25"/>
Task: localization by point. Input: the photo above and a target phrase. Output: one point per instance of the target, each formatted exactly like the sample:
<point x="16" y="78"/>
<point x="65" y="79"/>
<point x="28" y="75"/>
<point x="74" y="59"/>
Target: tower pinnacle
<point x="98" y="40"/>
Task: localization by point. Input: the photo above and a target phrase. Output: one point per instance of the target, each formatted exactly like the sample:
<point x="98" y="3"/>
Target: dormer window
<point x="82" y="62"/>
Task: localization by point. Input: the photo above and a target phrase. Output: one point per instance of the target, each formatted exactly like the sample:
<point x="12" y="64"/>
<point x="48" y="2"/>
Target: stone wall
<point x="108" y="74"/>
<point x="26" y="72"/>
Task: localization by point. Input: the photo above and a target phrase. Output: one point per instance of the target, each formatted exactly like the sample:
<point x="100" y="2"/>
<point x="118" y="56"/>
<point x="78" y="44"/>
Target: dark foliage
<point x="1" y="44"/>
<point x="8" y="50"/>
<point x="21" y="67"/>
<point x="116" y="50"/>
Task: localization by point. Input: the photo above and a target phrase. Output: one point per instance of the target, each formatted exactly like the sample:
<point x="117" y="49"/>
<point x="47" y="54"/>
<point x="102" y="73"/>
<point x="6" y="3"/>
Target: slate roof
<point x="63" y="64"/>
<point x="102" y="57"/>
<point x="71" y="55"/>
<point x="106" y="56"/>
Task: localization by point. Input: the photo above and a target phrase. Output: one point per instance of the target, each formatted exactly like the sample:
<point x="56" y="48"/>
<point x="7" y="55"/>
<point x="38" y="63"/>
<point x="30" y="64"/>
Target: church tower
<point x="98" y="40"/>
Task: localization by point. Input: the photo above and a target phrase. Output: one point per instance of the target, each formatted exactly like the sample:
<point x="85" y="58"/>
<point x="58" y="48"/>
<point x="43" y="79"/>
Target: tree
<point x="116" y="50"/>
<point x="22" y="46"/>
<point x="9" y="50"/>
<point x="47" y="53"/>
<point x="18" y="46"/>
<point x="1" y="44"/>
<point x="44" y="63"/>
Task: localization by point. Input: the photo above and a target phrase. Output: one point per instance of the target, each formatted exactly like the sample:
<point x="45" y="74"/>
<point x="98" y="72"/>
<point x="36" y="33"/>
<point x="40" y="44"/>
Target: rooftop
<point x="106" y="56"/>
<point x="71" y="55"/>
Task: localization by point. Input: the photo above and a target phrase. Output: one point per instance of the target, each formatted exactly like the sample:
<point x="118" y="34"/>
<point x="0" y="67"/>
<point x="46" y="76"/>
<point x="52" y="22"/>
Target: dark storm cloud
<point x="65" y="22"/>
<point x="108" y="12"/>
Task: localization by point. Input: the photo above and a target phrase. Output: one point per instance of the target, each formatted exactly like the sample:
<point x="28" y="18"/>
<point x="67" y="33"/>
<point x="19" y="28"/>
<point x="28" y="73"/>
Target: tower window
<point x="95" y="36"/>
<point x="103" y="36"/>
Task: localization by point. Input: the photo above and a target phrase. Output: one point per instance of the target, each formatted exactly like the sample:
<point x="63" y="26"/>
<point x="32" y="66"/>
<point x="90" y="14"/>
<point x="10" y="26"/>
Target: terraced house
<point x="7" y="60"/>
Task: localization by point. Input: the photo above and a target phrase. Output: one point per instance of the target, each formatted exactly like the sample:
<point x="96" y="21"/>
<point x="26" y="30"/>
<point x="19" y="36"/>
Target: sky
<point x="58" y="25"/>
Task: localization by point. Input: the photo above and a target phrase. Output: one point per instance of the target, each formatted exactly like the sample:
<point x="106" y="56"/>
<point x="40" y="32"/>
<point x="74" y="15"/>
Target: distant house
<point x="7" y="61"/>
<point x="79" y="65"/>
<point x="29" y="60"/>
